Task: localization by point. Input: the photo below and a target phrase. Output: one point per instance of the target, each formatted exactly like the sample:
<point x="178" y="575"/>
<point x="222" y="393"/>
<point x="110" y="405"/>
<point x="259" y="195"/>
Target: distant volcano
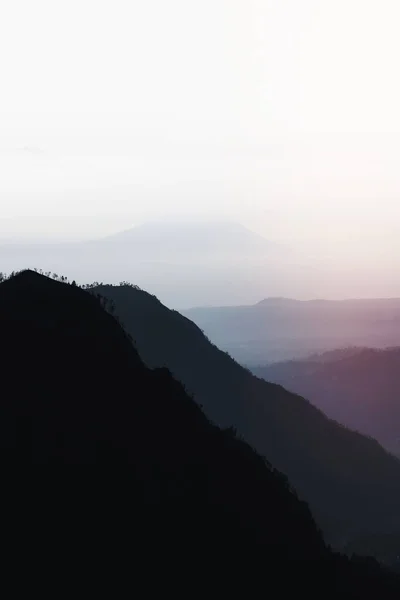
<point x="180" y="239"/>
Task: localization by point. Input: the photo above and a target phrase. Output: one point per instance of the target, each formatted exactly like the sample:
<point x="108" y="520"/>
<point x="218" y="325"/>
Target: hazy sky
<point x="283" y="114"/>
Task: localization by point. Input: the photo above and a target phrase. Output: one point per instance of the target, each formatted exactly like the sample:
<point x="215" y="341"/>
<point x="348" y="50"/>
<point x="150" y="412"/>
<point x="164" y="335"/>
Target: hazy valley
<point x="277" y="329"/>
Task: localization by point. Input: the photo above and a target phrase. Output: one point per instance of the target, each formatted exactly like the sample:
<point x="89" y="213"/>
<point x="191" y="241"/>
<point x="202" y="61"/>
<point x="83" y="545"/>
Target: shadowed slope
<point x="75" y="392"/>
<point x="358" y="387"/>
<point x="351" y="483"/>
<point x="110" y="463"/>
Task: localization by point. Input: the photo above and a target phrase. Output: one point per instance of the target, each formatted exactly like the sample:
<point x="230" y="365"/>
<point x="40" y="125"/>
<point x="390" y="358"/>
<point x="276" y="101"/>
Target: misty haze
<point x="199" y="295"/>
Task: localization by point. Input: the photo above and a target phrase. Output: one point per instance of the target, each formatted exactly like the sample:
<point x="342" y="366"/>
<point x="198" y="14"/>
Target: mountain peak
<point x="200" y="236"/>
<point x="276" y="300"/>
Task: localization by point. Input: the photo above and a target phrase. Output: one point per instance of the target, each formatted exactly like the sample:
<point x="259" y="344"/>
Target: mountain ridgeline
<point x="108" y="460"/>
<point x="351" y="483"/>
<point x="359" y="387"/>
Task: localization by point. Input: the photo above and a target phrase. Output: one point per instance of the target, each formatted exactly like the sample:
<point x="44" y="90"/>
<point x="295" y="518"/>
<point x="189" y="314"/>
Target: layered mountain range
<point x="333" y="468"/>
<point x="111" y="459"/>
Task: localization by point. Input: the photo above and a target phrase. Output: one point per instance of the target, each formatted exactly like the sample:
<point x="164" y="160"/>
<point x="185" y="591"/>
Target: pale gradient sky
<point x="283" y="114"/>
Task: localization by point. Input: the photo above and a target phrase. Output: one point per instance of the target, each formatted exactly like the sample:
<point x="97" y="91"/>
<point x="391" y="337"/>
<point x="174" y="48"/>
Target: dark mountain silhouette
<point x="112" y="463"/>
<point x="358" y="387"/>
<point x="351" y="483"/>
<point x="109" y="461"/>
<point x="387" y="544"/>
<point x="279" y="329"/>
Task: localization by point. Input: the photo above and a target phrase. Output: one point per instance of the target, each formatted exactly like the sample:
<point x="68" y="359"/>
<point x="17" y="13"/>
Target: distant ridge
<point x="277" y="300"/>
<point x="282" y="300"/>
<point x="277" y="329"/>
<point x="356" y="386"/>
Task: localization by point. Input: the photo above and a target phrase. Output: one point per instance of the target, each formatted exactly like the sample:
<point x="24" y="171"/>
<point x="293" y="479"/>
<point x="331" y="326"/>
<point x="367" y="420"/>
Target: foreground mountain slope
<point x="351" y="483"/>
<point x="360" y="388"/>
<point x="109" y="464"/>
<point x="75" y="392"/>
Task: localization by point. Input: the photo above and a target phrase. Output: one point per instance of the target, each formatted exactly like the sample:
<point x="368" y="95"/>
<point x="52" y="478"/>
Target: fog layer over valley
<point x="278" y="329"/>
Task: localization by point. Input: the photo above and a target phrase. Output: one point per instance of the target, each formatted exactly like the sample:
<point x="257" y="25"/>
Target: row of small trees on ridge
<point x="106" y="303"/>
